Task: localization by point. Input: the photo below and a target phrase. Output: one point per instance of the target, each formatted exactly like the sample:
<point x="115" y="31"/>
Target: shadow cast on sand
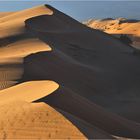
<point x="69" y="101"/>
<point x="10" y="74"/>
<point x="11" y="39"/>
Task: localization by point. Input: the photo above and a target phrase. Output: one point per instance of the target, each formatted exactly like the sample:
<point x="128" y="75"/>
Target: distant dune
<point x="130" y="27"/>
<point x="60" y="79"/>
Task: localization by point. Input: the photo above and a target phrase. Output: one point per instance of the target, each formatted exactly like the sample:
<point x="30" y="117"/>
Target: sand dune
<point x="26" y="92"/>
<point x="113" y="65"/>
<point x="73" y="82"/>
<point x="11" y="69"/>
<point x="117" y="27"/>
<point x="23" y="120"/>
<point x="74" y="33"/>
<point x="11" y="63"/>
<point x="14" y="23"/>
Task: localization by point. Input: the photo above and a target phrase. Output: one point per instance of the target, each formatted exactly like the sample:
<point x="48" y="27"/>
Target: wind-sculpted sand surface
<point x="23" y="120"/>
<point x="60" y="79"/>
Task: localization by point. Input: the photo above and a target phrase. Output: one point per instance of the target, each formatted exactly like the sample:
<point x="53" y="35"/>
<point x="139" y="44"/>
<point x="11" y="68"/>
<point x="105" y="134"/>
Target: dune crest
<point x="23" y="48"/>
<point x="14" y="23"/>
<point x="29" y="91"/>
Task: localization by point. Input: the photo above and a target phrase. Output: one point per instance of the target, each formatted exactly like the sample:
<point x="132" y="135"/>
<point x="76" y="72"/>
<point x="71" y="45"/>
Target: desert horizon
<point x="64" y="78"/>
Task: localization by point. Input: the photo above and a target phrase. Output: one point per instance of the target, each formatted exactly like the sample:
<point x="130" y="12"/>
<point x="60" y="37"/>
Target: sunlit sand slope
<point x="14" y="23"/>
<point x="23" y="48"/>
<point x="28" y="91"/>
<point x="23" y="120"/>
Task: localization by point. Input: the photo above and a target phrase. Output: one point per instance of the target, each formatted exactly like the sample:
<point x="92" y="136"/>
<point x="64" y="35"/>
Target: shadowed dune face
<point x="65" y="30"/>
<point x="90" y="131"/>
<point x="76" y="36"/>
<point x="11" y="71"/>
<point x="78" y="79"/>
<point x="91" y="63"/>
<point x="91" y="113"/>
<point x="115" y="79"/>
<point x="87" y="60"/>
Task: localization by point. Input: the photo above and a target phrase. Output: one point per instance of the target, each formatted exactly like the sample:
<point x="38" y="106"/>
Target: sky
<point x="82" y="10"/>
